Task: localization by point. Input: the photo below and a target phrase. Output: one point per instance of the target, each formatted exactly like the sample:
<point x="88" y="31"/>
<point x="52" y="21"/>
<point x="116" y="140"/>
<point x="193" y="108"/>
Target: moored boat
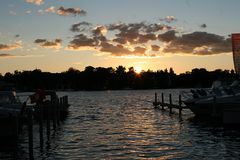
<point x="10" y="111"/>
<point x="221" y="101"/>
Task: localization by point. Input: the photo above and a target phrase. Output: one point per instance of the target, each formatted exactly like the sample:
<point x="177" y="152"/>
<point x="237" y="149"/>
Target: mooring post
<point x="47" y="109"/>
<point x="214" y="112"/>
<point x="30" y="132"/>
<point x="180" y="105"/>
<point x="41" y="125"/>
<point x="66" y="100"/>
<point x="54" y="114"/>
<point x="155" y="101"/>
<point x="162" y="101"/>
<point x="170" y="103"/>
<point x="61" y="108"/>
<point x="58" y="111"/>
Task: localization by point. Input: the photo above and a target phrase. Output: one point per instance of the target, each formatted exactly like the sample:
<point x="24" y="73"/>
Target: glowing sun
<point x="138" y="69"/>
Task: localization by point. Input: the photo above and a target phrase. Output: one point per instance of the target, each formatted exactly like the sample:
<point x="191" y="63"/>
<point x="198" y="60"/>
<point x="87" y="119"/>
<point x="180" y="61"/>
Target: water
<point x="124" y="125"/>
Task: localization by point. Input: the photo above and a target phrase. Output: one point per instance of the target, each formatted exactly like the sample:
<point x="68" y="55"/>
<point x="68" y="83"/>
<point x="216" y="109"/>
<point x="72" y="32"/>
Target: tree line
<point x="101" y="78"/>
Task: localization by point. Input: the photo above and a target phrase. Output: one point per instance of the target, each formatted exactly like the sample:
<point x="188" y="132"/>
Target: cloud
<point x="125" y="39"/>
<point x="12" y="13"/>
<point x="50" y="9"/>
<point x="155" y="48"/>
<point x="168" y="19"/>
<point x="18" y="56"/>
<point x="6" y="55"/>
<point x="56" y="44"/>
<point x="118" y="50"/>
<point x="99" y="30"/>
<point x="198" y="43"/>
<point x="139" y="51"/>
<point x="81" y="41"/>
<point x="28" y="11"/>
<point x="36" y="2"/>
<point x="9" y="47"/>
<point x="136" y="33"/>
<point x="203" y="26"/>
<point x="167" y="36"/>
<point x="80" y="27"/>
<point x="70" y="11"/>
<point x="122" y="39"/>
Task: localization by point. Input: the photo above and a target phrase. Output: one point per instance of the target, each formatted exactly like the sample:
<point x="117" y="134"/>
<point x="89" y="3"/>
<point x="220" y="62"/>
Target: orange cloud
<point x="36" y="2"/>
<point x="9" y="47"/>
<point x="56" y="44"/>
<point x="70" y="11"/>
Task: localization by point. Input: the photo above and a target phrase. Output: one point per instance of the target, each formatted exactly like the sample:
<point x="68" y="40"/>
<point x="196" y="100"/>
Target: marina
<point x="116" y="124"/>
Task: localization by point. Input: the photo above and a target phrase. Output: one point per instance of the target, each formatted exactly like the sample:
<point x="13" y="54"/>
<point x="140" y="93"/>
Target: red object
<point x="38" y="97"/>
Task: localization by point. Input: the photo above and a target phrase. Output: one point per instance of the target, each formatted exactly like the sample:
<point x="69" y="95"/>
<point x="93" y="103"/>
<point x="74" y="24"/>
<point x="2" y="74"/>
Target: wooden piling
<point x="170" y="102"/>
<point x="162" y="101"/>
<point x="30" y="132"/>
<point x="180" y="105"/>
<point x="61" y="107"/>
<point x="58" y="111"/>
<point x="47" y="109"/>
<point x="155" y="103"/>
<point x="41" y="125"/>
<point x="54" y="114"/>
<point x="66" y="100"/>
<point x="214" y="111"/>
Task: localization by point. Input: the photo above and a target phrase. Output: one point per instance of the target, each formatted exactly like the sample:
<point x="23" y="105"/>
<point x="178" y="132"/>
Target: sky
<point x="54" y="35"/>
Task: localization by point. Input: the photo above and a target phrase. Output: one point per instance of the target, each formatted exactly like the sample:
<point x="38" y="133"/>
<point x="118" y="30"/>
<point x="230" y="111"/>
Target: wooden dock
<point x="46" y="116"/>
<point x="162" y="104"/>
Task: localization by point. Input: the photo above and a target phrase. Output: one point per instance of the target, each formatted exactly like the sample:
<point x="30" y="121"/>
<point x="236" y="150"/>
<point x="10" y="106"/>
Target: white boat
<point x="10" y="111"/>
<point x="221" y="101"/>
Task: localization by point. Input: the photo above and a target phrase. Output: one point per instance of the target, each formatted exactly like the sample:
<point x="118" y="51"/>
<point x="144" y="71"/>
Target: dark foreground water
<point x="123" y="125"/>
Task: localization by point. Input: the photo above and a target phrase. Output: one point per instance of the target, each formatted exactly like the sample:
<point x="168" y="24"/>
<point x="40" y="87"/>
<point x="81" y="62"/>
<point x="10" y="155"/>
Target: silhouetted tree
<point x="108" y="78"/>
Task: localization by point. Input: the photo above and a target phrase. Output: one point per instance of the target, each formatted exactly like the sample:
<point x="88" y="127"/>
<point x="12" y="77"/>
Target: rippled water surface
<point x="124" y="125"/>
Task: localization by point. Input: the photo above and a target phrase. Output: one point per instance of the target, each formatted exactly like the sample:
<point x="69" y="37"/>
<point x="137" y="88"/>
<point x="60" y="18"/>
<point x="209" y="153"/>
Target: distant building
<point x="236" y="51"/>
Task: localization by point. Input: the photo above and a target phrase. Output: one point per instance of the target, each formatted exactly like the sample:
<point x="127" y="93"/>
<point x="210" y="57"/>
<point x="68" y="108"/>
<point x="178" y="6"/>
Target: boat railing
<point x="196" y="93"/>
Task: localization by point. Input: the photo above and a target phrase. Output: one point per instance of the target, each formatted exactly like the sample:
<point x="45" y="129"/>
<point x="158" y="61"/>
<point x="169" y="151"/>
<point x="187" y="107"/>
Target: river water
<point x="124" y="125"/>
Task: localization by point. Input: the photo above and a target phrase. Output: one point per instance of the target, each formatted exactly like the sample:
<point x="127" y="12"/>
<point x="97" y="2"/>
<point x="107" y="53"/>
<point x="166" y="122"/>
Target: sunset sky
<point x="54" y="35"/>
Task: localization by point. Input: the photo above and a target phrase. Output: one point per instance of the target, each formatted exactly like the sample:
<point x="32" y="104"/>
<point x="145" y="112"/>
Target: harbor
<point x="141" y="80"/>
<point x="116" y="124"/>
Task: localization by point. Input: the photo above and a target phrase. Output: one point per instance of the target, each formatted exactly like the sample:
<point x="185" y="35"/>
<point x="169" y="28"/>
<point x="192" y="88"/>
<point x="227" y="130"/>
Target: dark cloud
<point x="167" y="36"/>
<point x="8" y="47"/>
<point x="139" y="51"/>
<point x="203" y="26"/>
<point x="99" y="30"/>
<point x="136" y="33"/>
<point x="155" y="48"/>
<point x="144" y="38"/>
<point x="40" y="40"/>
<point x="116" y="50"/>
<point x="5" y="55"/>
<point x="81" y="41"/>
<point x="70" y="11"/>
<point x="124" y="39"/>
<point x="49" y="44"/>
<point x="199" y="43"/>
<point x="80" y="27"/>
<point x="120" y="50"/>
